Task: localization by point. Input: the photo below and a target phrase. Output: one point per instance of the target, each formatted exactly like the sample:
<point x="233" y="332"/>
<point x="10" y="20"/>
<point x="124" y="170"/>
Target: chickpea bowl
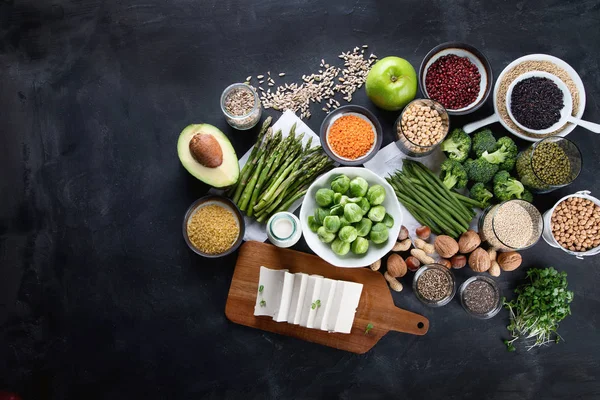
<point x="421" y="127"/>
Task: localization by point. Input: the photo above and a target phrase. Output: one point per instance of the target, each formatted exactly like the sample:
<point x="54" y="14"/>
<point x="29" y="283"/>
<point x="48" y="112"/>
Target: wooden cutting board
<point x="376" y="304"/>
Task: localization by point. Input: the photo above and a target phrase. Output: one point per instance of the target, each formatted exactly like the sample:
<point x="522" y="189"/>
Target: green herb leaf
<point x="313" y="306"/>
<point x="261" y="288"/>
<point x="369" y="327"/>
<point x="263" y="303"/>
<point x="318" y="303"/>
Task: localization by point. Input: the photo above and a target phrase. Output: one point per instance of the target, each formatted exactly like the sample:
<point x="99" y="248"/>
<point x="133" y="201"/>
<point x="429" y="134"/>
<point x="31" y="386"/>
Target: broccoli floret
<point x="457" y="145"/>
<point x="527" y="196"/>
<point x="504" y="154"/>
<point x="453" y="174"/>
<point x="507" y="188"/>
<point x="483" y="140"/>
<point x="480" y="170"/>
<point x="481" y="194"/>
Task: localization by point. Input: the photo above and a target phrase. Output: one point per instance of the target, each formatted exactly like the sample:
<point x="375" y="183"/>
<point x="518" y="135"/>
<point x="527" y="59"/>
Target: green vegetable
<point x="313" y="224"/>
<point x="324" y="236"/>
<point x="388" y="220"/>
<point x="480" y="170"/>
<point x="453" y="174"/>
<point x="457" y="145"/>
<point x="369" y="327"/>
<point x="337" y="197"/>
<point x="324" y="197"/>
<point x="353" y="212"/>
<point x="358" y="187"/>
<point x="527" y="196"/>
<point x="376" y="195"/>
<point x="379" y="233"/>
<point x="340" y="248"/>
<point x="263" y="303"/>
<point x="344" y="222"/>
<point x="542" y="302"/>
<point x="331" y="223"/>
<point x="316" y="304"/>
<point x="377" y="213"/>
<point x="481" y="194"/>
<point x="364" y="205"/>
<point x="337" y="210"/>
<point x="504" y="154"/>
<point x="360" y="246"/>
<point x="507" y="188"/>
<point x="261" y="288"/>
<point x="344" y="200"/>
<point x="320" y="214"/>
<point x="348" y="234"/>
<point x="363" y="227"/>
<point x="340" y="184"/>
<point x="355" y="200"/>
<point x="483" y="141"/>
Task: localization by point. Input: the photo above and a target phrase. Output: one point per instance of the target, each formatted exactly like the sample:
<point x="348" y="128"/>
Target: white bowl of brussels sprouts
<point x="350" y="217"/>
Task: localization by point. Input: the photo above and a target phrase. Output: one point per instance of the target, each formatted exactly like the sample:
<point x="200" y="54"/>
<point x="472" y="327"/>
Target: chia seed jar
<point x="480" y="297"/>
<point x="511" y="225"/>
<point x="549" y="164"/>
<point x="241" y="106"/>
<point x="434" y="285"/>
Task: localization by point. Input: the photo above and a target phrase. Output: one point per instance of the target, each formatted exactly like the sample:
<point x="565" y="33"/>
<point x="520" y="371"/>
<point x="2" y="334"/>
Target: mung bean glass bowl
<point x="450" y="292"/>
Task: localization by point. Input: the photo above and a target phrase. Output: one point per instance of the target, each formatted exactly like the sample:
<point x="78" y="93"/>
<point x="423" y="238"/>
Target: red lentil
<point x="351" y="137"/>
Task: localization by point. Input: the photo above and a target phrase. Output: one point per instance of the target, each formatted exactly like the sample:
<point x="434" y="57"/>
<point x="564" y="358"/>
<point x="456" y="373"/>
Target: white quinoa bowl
<point x="350" y="260"/>
<point x="219" y="201"/>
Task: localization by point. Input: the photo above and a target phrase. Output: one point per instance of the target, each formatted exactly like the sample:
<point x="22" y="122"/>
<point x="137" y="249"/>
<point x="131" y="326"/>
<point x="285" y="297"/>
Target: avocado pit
<point x="206" y="150"/>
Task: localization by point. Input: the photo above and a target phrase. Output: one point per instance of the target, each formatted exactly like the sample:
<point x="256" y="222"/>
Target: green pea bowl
<point x="350" y="222"/>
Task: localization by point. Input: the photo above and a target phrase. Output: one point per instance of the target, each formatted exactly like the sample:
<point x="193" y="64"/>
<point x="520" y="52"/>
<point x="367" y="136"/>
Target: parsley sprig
<point x="541" y="303"/>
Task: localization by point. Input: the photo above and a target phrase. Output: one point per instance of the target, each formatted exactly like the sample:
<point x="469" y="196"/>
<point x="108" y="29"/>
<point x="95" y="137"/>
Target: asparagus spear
<point x="248" y="188"/>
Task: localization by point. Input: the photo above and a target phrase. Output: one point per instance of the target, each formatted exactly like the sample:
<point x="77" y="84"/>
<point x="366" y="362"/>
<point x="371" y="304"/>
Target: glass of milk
<point x="283" y="229"/>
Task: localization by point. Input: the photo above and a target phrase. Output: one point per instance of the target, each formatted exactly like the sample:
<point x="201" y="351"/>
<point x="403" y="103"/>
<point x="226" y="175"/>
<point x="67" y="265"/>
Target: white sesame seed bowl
<point x="548" y="234"/>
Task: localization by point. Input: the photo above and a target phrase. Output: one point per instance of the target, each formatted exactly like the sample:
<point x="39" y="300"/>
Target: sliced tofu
<point x="298" y="293"/>
<point x="286" y="298"/>
<point x="269" y="298"/>
<point x="313" y="290"/>
<point x="326" y="297"/>
<point x="343" y="307"/>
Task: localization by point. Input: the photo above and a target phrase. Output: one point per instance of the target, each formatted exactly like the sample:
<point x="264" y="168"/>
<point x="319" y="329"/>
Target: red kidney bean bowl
<point x="456" y="75"/>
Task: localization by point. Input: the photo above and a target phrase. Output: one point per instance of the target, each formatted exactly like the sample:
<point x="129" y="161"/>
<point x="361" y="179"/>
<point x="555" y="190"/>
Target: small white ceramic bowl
<point x="375" y="251"/>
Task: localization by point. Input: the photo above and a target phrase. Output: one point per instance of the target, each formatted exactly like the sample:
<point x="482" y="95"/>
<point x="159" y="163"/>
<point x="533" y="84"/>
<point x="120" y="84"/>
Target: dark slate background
<point x="99" y="296"/>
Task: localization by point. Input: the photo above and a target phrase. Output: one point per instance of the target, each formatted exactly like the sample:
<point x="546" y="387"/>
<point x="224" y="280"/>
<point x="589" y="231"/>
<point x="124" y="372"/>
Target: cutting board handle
<point x="405" y="321"/>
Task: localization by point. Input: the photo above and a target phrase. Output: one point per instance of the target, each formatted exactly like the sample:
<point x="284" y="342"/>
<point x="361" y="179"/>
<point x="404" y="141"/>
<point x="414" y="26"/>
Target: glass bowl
<point x="406" y="145"/>
<point x="223" y="202"/>
<point x="450" y="292"/>
<point x="497" y="294"/>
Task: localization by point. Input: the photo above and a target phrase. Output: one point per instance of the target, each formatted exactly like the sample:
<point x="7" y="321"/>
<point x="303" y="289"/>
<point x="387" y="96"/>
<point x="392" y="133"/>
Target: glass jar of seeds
<point x="480" y="297"/>
<point x="421" y="127"/>
<point x="241" y="106"/>
<point x="434" y="285"/>
<point x="511" y="225"/>
<point x="549" y="164"/>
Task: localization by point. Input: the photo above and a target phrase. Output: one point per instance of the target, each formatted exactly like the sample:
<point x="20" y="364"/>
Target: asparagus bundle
<point x="277" y="173"/>
<point x="431" y="203"/>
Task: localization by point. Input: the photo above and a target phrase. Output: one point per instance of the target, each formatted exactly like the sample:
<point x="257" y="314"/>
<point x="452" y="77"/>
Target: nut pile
<point x="575" y="224"/>
<point x="422" y="125"/>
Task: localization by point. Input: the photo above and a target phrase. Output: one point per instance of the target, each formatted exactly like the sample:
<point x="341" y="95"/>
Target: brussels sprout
<point x="348" y="234"/>
<point x="354" y="200"/>
<point x="324" y="236"/>
<point x="353" y="212"/>
<point x="377" y="213"/>
<point x="337" y="210"/>
<point x="379" y="233"/>
<point x="376" y="195"/>
<point x="320" y="214"/>
<point x="363" y="227"/>
<point x="360" y="246"/>
<point x="324" y="197"/>
<point x="337" y="197"/>
<point x="358" y="187"/>
<point x="388" y="220"/>
<point x="344" y="222"/>
<point x="364" y="205"/>
<point x="312" y="224"/>
<point x="340" y="184"/>
<point x="340" y="248"/>
<point x="331" y="223"/>
<point x="344" y="200"/>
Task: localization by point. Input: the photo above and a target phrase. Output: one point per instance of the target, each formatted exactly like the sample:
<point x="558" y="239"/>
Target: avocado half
<point x="208" y="155"/>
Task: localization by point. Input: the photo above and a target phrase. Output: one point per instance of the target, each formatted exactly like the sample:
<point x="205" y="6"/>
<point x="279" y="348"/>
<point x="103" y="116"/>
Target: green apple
<point x="392" y="83"/>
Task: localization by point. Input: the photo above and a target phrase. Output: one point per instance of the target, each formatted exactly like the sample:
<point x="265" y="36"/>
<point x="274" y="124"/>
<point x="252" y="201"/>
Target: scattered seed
<point x="260" y="76"/>
<point x="248" y="78"/>
<point x="281" y="74"/>
<point x="260" y="81"/>
<point x="365" y="46"/>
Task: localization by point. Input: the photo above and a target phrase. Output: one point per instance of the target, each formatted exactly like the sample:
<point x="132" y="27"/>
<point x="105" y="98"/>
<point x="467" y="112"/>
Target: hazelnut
<point x="423" y="232"/>
<point x="412" y="263"/>
<point x="509" y="261"/>
<point x="468" y="242"/>
<point x="479" y="260"/>
<point x="458" y="261"/>
<point x="396" y="266"/>
<point x="403" y="234"/>
<point x="206" y="150"/>
<point x="445" y="246"/>
<point x="445" y="262"/>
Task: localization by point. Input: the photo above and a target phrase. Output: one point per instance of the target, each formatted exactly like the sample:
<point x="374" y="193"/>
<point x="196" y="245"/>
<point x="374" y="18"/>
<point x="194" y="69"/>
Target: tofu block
<point x="286" y="298"/>
<point x="270" y="288"/>
<point x="298" y="293"/>
<point x="343" y="307"/>
<point x="313" y="290"/>
<point x="326" y="297"/>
